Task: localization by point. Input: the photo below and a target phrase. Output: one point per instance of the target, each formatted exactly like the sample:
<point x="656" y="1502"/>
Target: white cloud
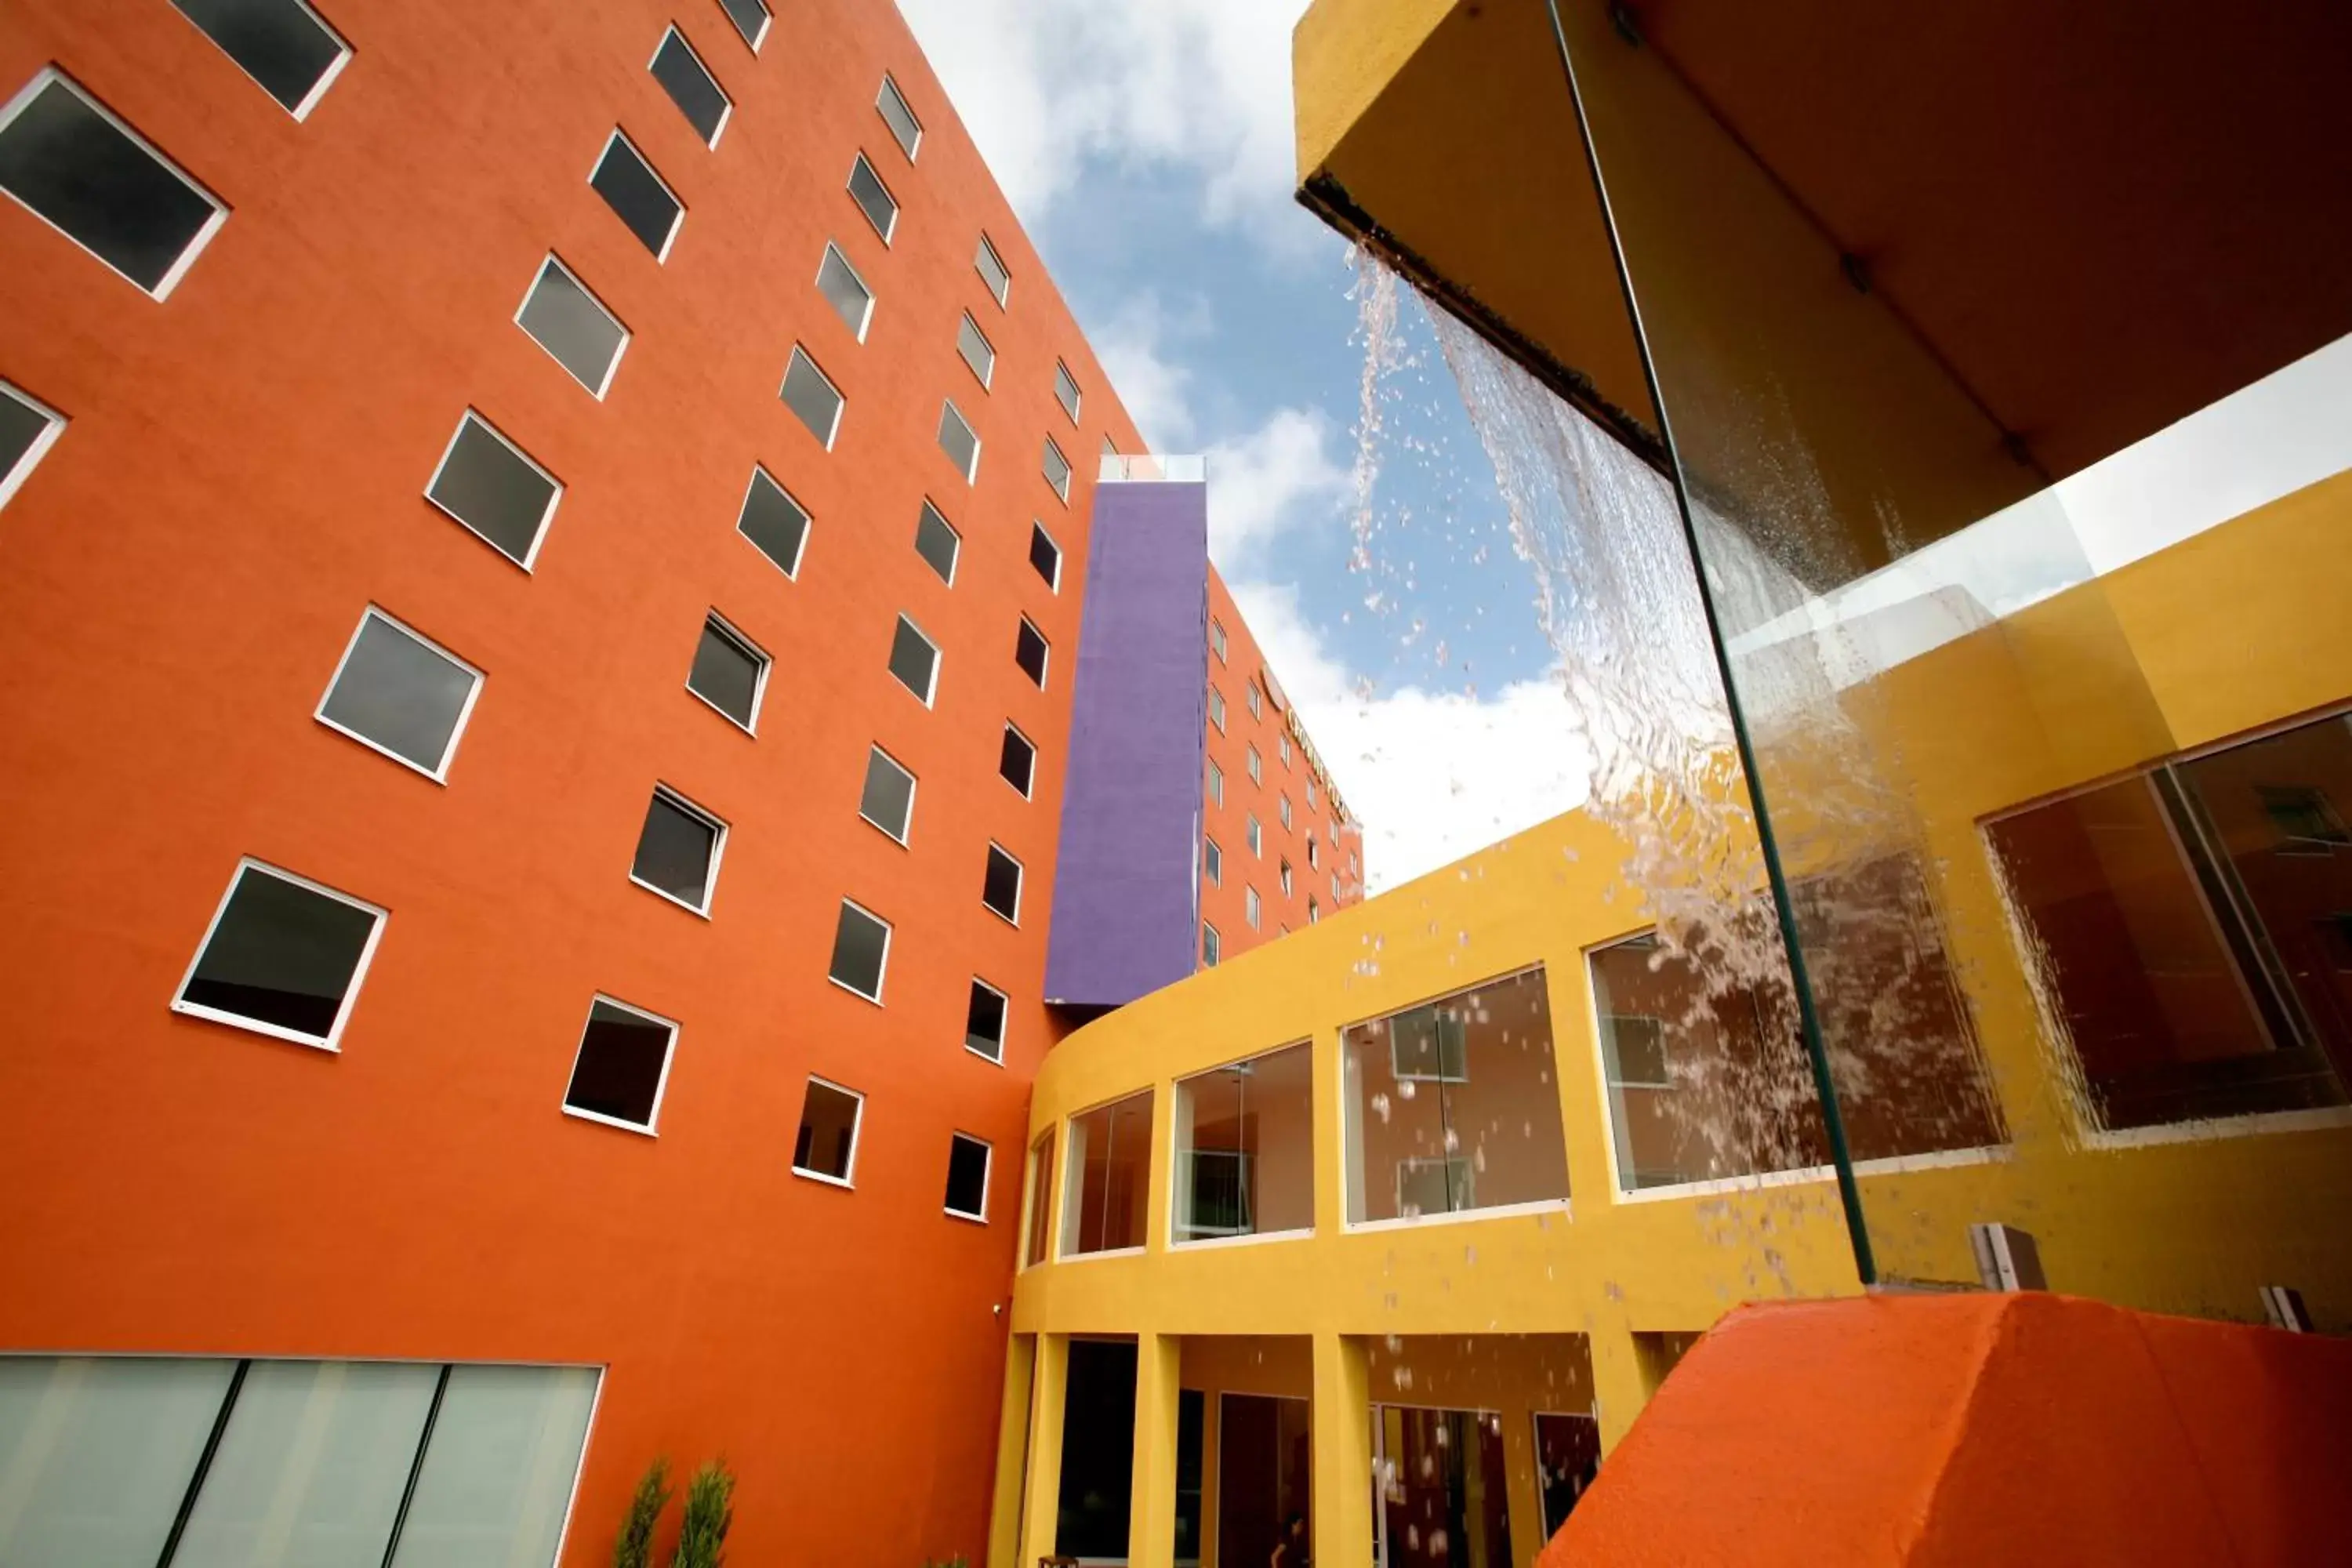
<point x="1432" y="775"/>
<point x="1155" y="389"/>
<point x="1268" y="482"/>
<point x="1202" y="85"/>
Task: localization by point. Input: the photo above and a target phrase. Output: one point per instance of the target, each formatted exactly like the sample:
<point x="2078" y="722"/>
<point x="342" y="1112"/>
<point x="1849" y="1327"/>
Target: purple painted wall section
<point x="1126" y="889"/>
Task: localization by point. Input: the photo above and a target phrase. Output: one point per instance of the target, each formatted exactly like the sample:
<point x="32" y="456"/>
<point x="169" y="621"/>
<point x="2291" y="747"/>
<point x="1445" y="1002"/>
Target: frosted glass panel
<point x="499" y="1473"/>
<point x="96" y="1456"/>
<point x="309" y="1471"/>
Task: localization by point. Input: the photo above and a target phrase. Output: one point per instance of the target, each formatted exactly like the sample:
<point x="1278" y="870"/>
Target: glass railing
<point x="1151" y="469"/>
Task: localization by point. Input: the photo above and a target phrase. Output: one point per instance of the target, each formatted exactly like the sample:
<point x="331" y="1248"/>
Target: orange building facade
<point x="418" y="541"/>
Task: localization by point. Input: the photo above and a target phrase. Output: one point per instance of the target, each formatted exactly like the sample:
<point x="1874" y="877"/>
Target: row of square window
<point x="285" y="957"/>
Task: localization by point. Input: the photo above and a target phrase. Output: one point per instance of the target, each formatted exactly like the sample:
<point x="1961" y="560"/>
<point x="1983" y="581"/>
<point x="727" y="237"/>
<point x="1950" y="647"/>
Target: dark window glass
<point x="726" y="673"/>
<point x="958" y="441"/>
<point x="486" y="484"/>
<point x="1018" y="761"/>
<point x="1001" y="887"/>
<point x="281" y="44"/>
<point x="280" y="954"/>
<point x="967" y="1176"/>
<point x="873" y="197"/>
<point x="828" y="1135"/>
<point x="751" y="19"/>
<point x="936" y="542"/>
<point x="689" y="87"/>
<point x="861" y="945"/>
<point x="913" y="659"/>
<point x="889" y="799"/>
<point x="1029" y="653"/>
<point x="1045" y="555"/>
<point x="21" y="424"/>
<point x="904" y="126"/>
<point x="807" y="393"/>
<point x="774" y="522"/>
<point x="675" y="849"/>
<point x="974" y="345"/>
<point x="983" y="1025"/>
<point x="565" y="319"/>
<point x="846" y="292"/>
<point x="637" y="194"/>
<point x="401" y="693"/>
<point x="618" y="1072"/>
<point x="79" y="170"/>
<point x="1568" y="1460"/>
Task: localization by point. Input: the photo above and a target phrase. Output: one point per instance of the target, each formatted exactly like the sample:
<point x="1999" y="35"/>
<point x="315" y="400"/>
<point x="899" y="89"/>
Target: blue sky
<point x="1147" y="147"/>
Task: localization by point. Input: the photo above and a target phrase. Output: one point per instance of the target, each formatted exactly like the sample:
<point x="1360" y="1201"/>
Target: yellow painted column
<point x="1151" y="1502"/>
<point x="1331" y="1174"/>
<point x="1048" y="1393"/>
<point x="1621" y="1382"/>
<point x="1012" y="1453"/>
<point x="1211" y="1435"/>
<point x="1342" y="1450"/>
<point x="1524" y="1487"/>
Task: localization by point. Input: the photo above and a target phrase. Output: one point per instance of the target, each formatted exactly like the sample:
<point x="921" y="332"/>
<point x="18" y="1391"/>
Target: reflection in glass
<point x="1263" y="1477"/>
<point x="99" y="1452"/>
<point x="1041" y="1190"/>
<point x="1443" y="1488"/>
<point x="1103" y="1194"/>
<point x="1244" y="1147"/>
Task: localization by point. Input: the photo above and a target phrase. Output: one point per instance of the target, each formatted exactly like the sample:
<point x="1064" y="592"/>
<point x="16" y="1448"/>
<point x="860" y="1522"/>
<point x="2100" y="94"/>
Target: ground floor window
<point x="1443" y="1500"/>
<point x="1098" y="1450"/>
<point x="1568" y="1458"/>
<point x="1264" y="1497"/>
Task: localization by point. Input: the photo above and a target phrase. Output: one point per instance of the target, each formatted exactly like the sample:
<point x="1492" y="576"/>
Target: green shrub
<point x="634" y="1548"/>
<point x="710" y="1511"/>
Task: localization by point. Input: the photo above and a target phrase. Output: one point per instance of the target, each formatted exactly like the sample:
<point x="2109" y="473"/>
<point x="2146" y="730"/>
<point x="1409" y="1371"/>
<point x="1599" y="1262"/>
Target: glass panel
<point x="1001" y="886"/>
<point x="1191" y="1406"/>
<point x="826" y="1144"/>
<point x="1443" y="1488"/>
<point x="1265" y="1498"/>
<point x="904" y="126"/>
<point x="309" y="1471"/>
<point x="967" y="1176"/>
<point x="96" y="1455"/>
<point x="76" y="167"/>
<point x="636" y="195"/>
<point x="280" y="43"/>
<point x="936" y="542"/>
<point x="281" y="955"/>
<point x="809" y="394"/>
<point x="675" y="851"/>
<point x="577" y="332"/>
<point x="913" y="659"/>
<point x="689" y="87"/>
<point x="888" y="800"/>
<point x="1029" y="651"/>
<point x="497" y="1474"/>
<point x="624" y="1055"/>
<point x="1045" y="555"/>
<point x="1450" y="1106"/>
<point x="957" y="440"/>
<point x="1103" y="1194"/>
<point x="726" y="673"/>
<point x="873" y="198"/>
<point x="1016" y="762"/>
<point x="495" y="490"/>
<point x="750" y="17"/>
<point x="973" y="347"/>
<point x="1041" y="1190"/>
<point x="21" y="424"/>
<point x="983" y="1029"/>
<point x="992" y="271"/>
<point x="861" y="945"/>
<point x="1568" y="1460"/>
<point x="1097" y="1452"/>
<point x="774" y="522"/>
<point x="1244" y="1147"/>
<point x="845" y="291"/>
<point x="401" y="693"/>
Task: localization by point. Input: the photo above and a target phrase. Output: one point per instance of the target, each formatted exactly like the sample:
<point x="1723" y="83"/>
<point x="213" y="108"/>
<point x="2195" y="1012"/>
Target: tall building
<point x="543" y="549"/>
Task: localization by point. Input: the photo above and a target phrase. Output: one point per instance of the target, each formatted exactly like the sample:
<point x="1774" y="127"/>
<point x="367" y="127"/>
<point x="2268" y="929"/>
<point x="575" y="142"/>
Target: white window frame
<point x="971" y="472"/>
<point x="987" y="378"/>
<point x="1212" y="946"/>
<point x="613" y="367"/>
<point x="840" y="399"/>
<point x="1001" y="296"/>
<point x="759" y="682"/>
<point x="32" y="89"/>
<point x="1256" y="836"/>
<point x="1217" y="709"/>
<point x="1282" y="810"/>
<point x="646" y="163"/>
<point x="1020" y="886"/>
<point x="1045" y="664"/>
<point x="326" y="78"/>
<point x="555" y="496"/>
<point x="333" y="1041"/>
<point x="1256" y="703"/>
<point x="1030" y="793"/>
<point x="1212" y="862"/>
<point x="890" y="89"/>
<point x="954" y="565"/>
<point x="1077" y="394"/>
<point x="1283" y="875"/>
<point x="1054" y="450"/>
<point x="1217" y="637"/>
<point x="54" y="428"/>
<point x="766" y="21"/>
<point x="882" y="976"/>
<point x="913" y="783"/>
<point x="987" y="1175"/>
<point x="835" y="252"/>
<point x="808" y="521"/>
<point x="926" y="697"/>
<point x="1282" y="745"/>
<point x="725" y="97"/>
<point x="998" y="1059"/>
<point x="1037" y="531"/>
<point x="1255" y="763"/>
<point x="847" y="1180"/>
<point x="439" y="775"/>
<point x="1216" y="782"/>
<point x="897" y="209"/>
<point x="1253" y="907"/>
<point x="717" y="852"/>
<point x="645" y="1129"/>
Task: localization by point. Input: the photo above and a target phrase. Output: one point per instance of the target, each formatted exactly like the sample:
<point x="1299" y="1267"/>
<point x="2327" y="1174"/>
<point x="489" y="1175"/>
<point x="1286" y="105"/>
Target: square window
<point x="283" y="956"/>
<point x="873" y="198"/>
<point x="1243" y="1134"/>
<point x="751" y="19"/>
<point x="959" y="441"/>
<point x="1029" y="651"/>
<point x="1057" y="470"/>
<point x="1045" y="555"/>
<point x="490" y="485"/>
<point x="775" y="523"/>
<point x="891" y="105"/>
<point x="1000" y="889"/>
<point x="1251" y="910"/>
<point x="281" y="44"/>
<point x="1282" y="745"/>
<point x="104" y="185"/>
<point x="861" y="952"/>
<point x="1217" y="709"/>
<point x="968" y="1177"/>
<point x="1282" y="808"/>
<point x="1257" y="704"/>
<point x="1209" y="945"/>
<point x="888" y="800"/>
<point x="914" y="660"/>
<point x="1310" y="792"/>
<point x="677" y="850"/>
<point x="647" y="206"/>
<point x="401" y="693"/>
<point x="1216" y="784"/>
<point x="621" y="1066"/>
<point x="1256" y="768"/>
<point x="573" y="326"/>
<point x="978" y="355"/>
<point x="827" y="1145"/>
<point x="991" y="268"/>
<point x="729" y="672"/>
<point x="1016" y="764"/>
<point x="983" y="1023"/>
<point x="29" y="428"/>
<point x="937" y="542"/>
<point x="1217" y="639"/>
<point x="809" y="393"/>
<point x="1066" y="390"/>
<point x="1212" y="863"/>
<point x="1251" y="827"/>
<point x="846" y="291"/>
<point x="690" y="85"/>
